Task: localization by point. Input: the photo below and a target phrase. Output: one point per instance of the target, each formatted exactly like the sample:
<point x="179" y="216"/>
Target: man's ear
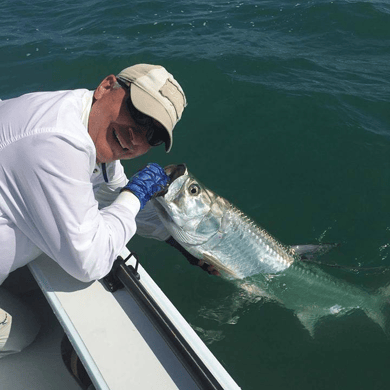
<point x="105" y="86"/>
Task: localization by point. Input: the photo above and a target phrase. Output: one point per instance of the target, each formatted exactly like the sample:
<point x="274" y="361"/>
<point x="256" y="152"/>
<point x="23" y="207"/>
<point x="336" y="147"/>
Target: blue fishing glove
<point x="147" y="182"/>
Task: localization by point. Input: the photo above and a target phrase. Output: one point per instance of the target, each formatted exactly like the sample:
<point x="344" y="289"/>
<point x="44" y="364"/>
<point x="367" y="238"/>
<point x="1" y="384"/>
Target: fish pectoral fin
<point x="311" y="251"/>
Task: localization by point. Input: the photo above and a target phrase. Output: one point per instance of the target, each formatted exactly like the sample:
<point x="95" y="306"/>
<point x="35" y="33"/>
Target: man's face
<point x="115" y="134"/>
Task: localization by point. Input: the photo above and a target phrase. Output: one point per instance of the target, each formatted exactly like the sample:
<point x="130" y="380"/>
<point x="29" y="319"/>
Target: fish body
<point x="235" y="237"/>
<point x="212" y="229"/>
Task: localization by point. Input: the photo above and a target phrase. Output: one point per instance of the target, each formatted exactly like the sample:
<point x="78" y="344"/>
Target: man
<point x="63" y="190"/>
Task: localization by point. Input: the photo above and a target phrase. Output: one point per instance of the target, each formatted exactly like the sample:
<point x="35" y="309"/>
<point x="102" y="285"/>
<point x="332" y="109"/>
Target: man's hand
<point x="192" y="259"/>
<point x="147" y="182"/>
<point x="208" y="268"/>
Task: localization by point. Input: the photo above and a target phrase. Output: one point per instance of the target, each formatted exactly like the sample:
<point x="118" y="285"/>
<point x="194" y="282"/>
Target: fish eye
<point x="194" y="189"/>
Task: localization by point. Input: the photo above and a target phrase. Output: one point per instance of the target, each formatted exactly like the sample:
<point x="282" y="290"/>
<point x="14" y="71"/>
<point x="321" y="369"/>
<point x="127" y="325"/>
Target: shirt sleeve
<point x="108" y="192"/>
<point x="49" y="196"/>
<point x="149" y="224"/>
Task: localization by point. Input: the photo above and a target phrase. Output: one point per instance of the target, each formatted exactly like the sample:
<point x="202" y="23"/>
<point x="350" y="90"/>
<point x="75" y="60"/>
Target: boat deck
<point x="39" y="366"/>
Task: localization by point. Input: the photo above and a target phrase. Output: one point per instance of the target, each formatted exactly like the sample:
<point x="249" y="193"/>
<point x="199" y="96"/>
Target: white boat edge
<point x="78" y="307"/>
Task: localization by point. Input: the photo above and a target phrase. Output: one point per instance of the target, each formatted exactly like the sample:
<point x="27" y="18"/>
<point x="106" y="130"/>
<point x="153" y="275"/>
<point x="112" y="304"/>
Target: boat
<point x="123" y="329"/>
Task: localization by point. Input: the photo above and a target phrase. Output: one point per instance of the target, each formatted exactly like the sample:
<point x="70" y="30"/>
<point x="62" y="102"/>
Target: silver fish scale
<point x="243" y="239"/>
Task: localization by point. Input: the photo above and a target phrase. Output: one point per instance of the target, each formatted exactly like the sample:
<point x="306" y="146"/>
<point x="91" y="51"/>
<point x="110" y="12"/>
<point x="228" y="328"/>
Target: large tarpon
<point x="212" y="229"/>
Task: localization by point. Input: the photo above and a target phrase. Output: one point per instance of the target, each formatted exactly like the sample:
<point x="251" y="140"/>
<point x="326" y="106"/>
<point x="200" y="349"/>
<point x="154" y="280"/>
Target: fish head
<point x="191" y="212"/>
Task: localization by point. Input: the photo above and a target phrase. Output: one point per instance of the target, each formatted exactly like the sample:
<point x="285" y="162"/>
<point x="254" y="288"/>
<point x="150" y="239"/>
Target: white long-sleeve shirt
<point x="53" y="197"/>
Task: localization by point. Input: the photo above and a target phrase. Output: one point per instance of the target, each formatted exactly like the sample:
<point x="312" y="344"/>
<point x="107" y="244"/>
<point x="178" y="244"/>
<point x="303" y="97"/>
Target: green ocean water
<point x="288" y="118"/>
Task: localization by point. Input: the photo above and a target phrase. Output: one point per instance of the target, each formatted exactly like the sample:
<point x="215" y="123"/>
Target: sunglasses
<point x="155" y="135"/>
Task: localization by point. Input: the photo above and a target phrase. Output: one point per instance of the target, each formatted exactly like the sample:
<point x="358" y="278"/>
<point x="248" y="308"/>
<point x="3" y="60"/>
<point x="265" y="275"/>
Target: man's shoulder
<point x="43" y="96"/>
<point x="42" y="114"/>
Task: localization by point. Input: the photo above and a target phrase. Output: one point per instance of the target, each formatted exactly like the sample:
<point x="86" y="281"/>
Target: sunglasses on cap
<point x="155" y="135"/>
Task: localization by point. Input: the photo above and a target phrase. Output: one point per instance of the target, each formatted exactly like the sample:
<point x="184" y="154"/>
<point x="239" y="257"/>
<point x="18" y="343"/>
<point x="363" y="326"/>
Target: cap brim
<point x="148" y="105"/>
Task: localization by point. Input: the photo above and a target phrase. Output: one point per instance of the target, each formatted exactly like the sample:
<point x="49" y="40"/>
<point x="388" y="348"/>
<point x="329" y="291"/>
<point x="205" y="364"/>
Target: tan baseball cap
<point x="155" y="93"/>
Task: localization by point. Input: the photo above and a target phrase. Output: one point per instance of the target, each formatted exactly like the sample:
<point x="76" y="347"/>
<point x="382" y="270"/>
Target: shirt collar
<point x="86" y="110"/>
<point x="87" y="105"/>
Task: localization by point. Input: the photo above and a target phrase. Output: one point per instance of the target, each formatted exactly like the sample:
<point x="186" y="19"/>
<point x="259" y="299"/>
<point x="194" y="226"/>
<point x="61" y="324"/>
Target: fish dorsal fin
<point x="312" y="251"/>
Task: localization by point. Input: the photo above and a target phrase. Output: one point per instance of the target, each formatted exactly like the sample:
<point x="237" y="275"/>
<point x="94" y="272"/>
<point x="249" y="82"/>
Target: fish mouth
<point x="173" y="172"/>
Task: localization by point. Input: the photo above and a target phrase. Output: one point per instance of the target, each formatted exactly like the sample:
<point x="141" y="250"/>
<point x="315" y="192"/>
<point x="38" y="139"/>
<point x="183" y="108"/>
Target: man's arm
<point x="48" y="195"/>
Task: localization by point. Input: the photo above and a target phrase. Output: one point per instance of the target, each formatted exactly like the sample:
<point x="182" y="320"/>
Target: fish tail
<point x="379" y="312"/>
<point x="385" y="292"/>
<point x="379" y="318"/>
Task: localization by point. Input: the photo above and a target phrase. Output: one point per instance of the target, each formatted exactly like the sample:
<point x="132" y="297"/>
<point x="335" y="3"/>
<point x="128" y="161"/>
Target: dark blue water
<point x="288" y="118"/>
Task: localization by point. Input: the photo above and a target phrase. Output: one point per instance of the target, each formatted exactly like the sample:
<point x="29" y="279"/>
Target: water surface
<point x="288" y="118"/>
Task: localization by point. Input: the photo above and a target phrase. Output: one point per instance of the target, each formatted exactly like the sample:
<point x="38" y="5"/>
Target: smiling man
<point x="60" y="176"/>
<point x="63" y="191"/>
<point x="145" y="98"/>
